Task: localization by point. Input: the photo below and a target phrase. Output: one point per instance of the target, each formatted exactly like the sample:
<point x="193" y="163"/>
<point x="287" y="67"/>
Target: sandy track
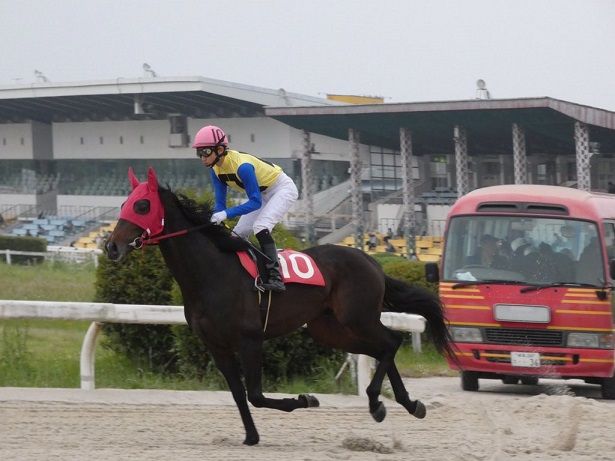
<point x="511" y="423"/>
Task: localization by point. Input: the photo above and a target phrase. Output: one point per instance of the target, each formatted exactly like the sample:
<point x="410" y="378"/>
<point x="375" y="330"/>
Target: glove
<point x="218" y="217"/>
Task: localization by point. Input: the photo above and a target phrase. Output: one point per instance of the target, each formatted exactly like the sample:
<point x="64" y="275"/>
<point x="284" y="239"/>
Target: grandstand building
<point x="65" y="149"/>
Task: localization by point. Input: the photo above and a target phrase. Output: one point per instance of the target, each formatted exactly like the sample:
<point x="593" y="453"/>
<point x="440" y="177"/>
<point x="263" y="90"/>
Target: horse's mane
<point x="200" y="214"/>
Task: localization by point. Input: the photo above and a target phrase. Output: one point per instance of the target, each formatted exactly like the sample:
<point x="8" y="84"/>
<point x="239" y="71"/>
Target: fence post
<point x="88" y="357"/>
<point x="365" y="366"/>
<point x="8" y="257"/>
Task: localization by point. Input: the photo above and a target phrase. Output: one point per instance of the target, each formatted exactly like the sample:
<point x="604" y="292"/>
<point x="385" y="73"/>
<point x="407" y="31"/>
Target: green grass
<point x="47" y="282"/>
<point x="45" y="353"/>
<point x="422" y="364"/>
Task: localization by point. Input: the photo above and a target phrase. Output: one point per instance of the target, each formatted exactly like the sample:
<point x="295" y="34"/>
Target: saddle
<point x="295" y="267"/>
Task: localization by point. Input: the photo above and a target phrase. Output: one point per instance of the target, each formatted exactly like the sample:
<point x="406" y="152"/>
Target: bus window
<point x="519" y="249"/>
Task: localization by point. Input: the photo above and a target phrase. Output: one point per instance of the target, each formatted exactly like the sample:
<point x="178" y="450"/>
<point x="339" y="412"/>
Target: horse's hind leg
<point x="229" y="367"/>
<point x="414" y="407"/>
<point x="386" y="357"/>
<point x="378" y="342"/>
<point x="252" y="362"/>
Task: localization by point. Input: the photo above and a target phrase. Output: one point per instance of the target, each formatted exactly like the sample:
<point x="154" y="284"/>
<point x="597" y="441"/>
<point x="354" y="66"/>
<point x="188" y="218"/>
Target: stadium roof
<point x="548" y="123"/>
<point x="157" y="97"/>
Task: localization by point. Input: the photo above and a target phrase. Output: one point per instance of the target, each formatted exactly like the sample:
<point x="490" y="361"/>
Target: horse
<point x="222" y="308"/>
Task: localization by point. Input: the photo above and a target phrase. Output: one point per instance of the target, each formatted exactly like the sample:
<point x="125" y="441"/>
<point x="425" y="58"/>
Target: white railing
<point x="61" y="253"/>
<point x="99" y="313"/>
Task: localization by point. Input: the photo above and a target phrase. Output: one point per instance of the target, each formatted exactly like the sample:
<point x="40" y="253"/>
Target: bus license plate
<point x="525" y="359"/>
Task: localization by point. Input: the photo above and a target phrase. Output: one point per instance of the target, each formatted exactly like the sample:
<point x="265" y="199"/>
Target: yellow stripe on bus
<point x="474" y="324"/>
<point x="551" y="327"/>
<point x="446" y="295"/>
<point x="583" y="301"/>
<point x="464" y="354"/>
<point x="581" y="295"/>
<point x="463" y="306"/>
<point x="570" y="311"/>
<point x="467" y="289"/>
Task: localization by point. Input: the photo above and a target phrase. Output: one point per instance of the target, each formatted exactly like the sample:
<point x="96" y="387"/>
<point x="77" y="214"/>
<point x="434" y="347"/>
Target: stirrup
<point x="274" y="285"/>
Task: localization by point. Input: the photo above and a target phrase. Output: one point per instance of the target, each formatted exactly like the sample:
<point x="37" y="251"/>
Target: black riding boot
<point x="273" y="280"/>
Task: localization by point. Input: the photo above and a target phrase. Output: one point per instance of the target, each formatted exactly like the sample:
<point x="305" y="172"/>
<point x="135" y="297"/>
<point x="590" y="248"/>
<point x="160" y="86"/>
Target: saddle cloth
<point x="295" y="267"/>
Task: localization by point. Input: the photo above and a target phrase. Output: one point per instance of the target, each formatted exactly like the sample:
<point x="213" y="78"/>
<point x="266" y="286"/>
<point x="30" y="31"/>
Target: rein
<point x="144" y="239"/>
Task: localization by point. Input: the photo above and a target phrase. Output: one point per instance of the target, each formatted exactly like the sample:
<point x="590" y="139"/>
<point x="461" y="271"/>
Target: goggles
<point x="208" y="151"/>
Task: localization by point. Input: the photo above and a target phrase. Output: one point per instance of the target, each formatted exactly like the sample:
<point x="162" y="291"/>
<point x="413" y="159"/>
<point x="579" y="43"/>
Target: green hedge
<point x="142" y="278"/>
<point x="24" y="244"/>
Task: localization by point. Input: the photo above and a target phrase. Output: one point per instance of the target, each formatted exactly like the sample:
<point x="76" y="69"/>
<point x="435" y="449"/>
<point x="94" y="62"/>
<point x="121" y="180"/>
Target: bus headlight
<point x="466" y="335"/>
<point x="591" y="340"/>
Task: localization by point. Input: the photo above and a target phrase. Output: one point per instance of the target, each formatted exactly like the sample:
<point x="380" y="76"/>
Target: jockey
<point x="269" y="190"/>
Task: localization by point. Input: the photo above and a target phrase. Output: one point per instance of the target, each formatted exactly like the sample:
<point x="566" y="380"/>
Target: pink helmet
<point x="208" y="136"/>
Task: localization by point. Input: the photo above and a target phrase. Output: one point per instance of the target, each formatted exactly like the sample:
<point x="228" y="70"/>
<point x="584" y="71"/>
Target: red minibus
<point x="526" y="278"/>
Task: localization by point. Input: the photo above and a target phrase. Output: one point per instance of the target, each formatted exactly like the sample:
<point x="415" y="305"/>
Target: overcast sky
<point x="403" y="50"/>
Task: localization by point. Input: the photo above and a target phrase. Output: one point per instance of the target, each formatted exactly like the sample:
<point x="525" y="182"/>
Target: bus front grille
<point x="524" y="337"/>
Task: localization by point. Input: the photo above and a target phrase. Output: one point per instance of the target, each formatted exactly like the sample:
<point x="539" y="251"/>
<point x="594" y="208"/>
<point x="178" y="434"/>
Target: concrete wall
<point x="89" y="201"/>
<point x="16" y="141"/>
<point x="436" y="218"/>
<point x="110" y="140"/>
<point x="261" y="136"/>
<point x="17" y="199"/>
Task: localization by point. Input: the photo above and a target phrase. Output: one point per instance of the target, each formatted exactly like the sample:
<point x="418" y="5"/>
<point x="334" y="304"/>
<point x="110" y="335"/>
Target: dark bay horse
<point x="222" y="308"/>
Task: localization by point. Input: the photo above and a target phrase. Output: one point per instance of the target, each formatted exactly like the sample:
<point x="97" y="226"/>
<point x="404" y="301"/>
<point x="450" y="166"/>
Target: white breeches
<point x="277" y="200"/>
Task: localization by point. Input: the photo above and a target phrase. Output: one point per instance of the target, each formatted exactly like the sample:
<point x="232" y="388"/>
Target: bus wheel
<point x="608" y="388"/>
<point x="469" y="381"/>
<point x="529" y="381"/>
<point x="510" y="379"/>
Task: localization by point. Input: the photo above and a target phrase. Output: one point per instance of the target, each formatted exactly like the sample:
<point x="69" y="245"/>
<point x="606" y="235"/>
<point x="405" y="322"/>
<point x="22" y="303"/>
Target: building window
<point x="438" y="172"/>
<point x="384" y="170"/>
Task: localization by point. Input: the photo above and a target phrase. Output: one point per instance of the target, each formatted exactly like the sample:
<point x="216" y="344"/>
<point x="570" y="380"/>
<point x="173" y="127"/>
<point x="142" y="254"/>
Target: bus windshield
<point x="524" y="250"/>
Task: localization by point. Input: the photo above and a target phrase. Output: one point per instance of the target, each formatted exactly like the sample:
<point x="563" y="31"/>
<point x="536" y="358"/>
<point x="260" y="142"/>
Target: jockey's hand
<point x="218" y="217"/>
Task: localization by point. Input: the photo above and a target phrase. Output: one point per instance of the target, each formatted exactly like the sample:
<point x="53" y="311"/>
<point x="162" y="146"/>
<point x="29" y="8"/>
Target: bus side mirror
<point x="432" y="273"/>
<point x="612" y="269"/>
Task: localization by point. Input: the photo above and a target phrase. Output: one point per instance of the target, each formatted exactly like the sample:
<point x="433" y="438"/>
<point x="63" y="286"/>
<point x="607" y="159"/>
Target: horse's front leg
<point x="252" y="363"/>
<point x="228" y="365"/>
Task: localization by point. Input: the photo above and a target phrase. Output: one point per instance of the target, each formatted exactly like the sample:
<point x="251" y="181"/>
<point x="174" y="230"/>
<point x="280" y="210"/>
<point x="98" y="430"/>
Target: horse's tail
<point x="402" y="297"/>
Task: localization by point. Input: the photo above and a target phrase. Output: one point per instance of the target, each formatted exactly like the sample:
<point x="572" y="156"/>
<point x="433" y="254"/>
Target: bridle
<point x="146" y="239"/>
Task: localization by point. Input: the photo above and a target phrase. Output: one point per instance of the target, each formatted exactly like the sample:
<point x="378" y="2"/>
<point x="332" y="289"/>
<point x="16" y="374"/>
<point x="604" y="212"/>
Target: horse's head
<point x="141" y="216"/>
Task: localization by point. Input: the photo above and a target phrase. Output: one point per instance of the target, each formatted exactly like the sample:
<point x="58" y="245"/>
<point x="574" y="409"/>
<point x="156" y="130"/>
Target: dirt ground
<point x="551" y="421"/>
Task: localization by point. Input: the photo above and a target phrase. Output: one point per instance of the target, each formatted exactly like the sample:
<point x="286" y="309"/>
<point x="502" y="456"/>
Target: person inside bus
<point x="553" y="266"/>
<point x="521" y="247"/>
<point x="488" y="254"/>
<point x="589" y="268"/>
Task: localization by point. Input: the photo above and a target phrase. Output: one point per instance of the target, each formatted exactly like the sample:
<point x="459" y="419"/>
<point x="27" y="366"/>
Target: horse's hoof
<point x="379" y="413"/>
<point x="420" y="411"/>
<point x="309" y="401"/>
<point x="251" y="439"/>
